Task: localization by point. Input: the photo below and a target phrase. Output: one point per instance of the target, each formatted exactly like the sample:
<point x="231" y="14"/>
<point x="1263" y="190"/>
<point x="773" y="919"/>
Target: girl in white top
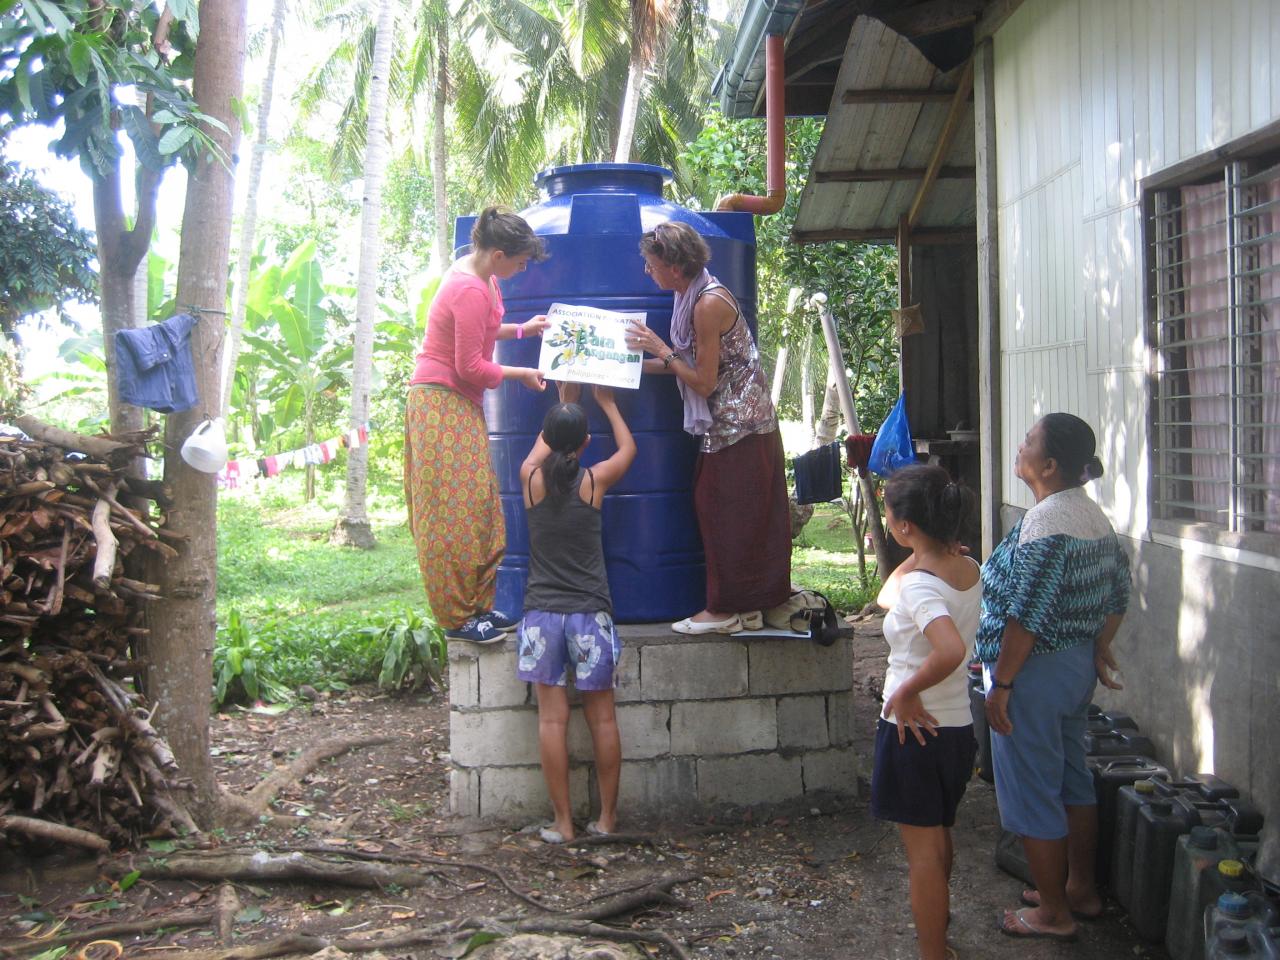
<point x="924" y="740"/>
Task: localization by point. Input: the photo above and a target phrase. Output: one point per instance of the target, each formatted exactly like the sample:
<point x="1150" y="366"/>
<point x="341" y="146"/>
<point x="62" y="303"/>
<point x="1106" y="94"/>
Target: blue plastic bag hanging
<point x="893" y="448"/>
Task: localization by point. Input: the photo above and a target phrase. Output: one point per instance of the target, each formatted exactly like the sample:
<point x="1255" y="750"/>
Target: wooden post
<point x="866" y="488"/>
<point x="989" y="435"/>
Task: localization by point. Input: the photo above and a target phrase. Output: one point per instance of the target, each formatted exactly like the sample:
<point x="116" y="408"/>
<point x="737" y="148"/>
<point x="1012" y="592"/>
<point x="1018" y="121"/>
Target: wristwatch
<point x="669" y="359"/>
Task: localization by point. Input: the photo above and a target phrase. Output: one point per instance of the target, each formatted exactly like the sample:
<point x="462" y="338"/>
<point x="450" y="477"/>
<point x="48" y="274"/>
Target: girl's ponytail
<point x="563" y="430"/>
<point x="926" y="496"/>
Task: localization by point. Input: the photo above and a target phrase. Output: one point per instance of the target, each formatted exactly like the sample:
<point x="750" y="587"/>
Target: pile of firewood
<point x="79" y="759"/>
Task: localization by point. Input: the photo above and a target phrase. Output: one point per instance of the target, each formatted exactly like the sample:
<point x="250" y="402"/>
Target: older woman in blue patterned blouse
<point x="1054" y="592"/>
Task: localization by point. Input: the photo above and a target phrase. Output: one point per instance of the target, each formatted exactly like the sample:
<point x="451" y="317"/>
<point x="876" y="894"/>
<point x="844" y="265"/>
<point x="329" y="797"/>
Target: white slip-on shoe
<point x="690" y="626"/>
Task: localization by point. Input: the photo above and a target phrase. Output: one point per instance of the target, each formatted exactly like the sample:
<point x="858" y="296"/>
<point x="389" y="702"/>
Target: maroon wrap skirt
<point x="744" y="516"/>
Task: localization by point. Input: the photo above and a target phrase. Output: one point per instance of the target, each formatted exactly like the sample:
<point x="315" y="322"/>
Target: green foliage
<point x="243" y="665"/>
<point x="860" y="280"/>
<point x="65" y="61"/>
<point x="45" y="256"/>
<point x="416" y="652"/>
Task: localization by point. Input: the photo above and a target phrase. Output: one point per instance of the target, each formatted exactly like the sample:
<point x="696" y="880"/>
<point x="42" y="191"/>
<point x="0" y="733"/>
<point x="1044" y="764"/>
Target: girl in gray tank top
<point x="568" y="617"/>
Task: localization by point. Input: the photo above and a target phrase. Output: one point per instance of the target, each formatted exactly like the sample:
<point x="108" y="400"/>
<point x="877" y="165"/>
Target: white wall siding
<point x="1091" y="96"/>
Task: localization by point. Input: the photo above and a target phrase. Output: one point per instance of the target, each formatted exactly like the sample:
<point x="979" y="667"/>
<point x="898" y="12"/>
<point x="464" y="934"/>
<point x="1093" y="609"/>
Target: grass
<point x="824" y="558"/>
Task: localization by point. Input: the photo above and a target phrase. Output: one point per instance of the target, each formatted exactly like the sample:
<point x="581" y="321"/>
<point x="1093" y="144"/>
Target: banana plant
<point x="287" y="340"/>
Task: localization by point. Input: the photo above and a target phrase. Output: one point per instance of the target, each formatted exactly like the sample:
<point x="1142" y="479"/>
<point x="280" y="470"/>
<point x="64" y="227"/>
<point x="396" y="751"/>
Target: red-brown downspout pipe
<point x="775" y="114"/>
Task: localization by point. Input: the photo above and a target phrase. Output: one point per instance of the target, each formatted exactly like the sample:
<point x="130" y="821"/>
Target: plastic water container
<point x="1101" y="721"/>
<point x="1236" y="926"/>
<point x="1011" y="857"/>
<point x="1109" y="775"/>
<point x="1129" y="800"/>
<point x="978" y="709"/>
<point x="591" y="219"/>
<point x="1118" y="743"/>
<point x="1196" y="855"/>
<point x="1158" y="826"/>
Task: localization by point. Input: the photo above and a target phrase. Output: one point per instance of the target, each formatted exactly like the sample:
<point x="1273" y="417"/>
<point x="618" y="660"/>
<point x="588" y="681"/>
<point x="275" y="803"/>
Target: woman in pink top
<point x="450" y="488"/>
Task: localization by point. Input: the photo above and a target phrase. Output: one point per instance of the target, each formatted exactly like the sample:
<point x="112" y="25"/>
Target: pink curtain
<point x="1205" y="275"/>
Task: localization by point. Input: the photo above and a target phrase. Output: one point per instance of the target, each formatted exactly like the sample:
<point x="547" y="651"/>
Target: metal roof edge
<point x="740" y="79"/>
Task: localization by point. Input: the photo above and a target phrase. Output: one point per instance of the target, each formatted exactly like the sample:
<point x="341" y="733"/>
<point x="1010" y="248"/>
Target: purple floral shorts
<point x="550" y="643"/>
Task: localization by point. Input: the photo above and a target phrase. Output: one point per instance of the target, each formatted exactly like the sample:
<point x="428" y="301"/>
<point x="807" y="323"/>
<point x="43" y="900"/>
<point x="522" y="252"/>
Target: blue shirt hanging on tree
<point x="154" y="367"/>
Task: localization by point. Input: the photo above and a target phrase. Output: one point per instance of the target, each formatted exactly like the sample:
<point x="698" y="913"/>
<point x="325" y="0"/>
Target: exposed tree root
<point x="104" y="930"/>
<point x="258" y="801"/>
<point x="219" y="865"/>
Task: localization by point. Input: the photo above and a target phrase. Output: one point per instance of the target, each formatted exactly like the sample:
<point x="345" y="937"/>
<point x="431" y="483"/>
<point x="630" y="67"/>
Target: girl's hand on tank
<point x="908" y="711"/>
<point x="604" y="396"/>
<point x="535" y="326"/>
<point x="533" y="379"/>
<point x="569" y="392"/>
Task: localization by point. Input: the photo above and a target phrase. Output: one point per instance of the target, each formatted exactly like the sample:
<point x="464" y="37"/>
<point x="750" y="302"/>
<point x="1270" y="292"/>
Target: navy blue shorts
<point x="921" y="786"/>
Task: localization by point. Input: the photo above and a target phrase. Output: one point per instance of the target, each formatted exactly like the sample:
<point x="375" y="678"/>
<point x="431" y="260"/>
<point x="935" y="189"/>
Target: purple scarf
<point x="697" y="415"/>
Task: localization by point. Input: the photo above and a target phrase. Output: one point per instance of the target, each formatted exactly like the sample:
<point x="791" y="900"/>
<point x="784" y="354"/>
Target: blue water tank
<point x="591" y="220"/>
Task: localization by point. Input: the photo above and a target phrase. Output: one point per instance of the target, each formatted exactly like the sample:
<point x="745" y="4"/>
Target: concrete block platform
<point x="706" y="721"/>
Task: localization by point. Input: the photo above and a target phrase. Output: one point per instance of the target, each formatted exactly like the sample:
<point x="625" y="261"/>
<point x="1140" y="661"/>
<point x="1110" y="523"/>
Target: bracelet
<point x="1001" y="686"/>
<point x="519" y="331"/>
<point x="669" y="359"/>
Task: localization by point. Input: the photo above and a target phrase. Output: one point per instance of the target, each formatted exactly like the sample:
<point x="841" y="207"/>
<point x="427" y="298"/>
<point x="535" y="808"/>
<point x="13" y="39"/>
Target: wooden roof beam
<point x="959" y="104"/>
<point x="923" y="236"/>
<point x="933" y="16"/>
<point x="890" y="174"/>
<point x="896" y="96"/>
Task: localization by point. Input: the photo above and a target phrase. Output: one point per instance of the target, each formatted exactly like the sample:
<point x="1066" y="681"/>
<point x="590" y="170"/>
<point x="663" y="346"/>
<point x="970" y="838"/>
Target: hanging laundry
<point x="153" y="365"/>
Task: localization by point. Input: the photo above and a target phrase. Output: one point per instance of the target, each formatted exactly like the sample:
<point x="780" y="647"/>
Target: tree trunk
<point x="352" y="528"/>
<point x="440" y="148"/>
<point x="249" y="220"/>
<point x="806" y="384"/>
<point x="829" y="422"/>
<point x="779" y="373"/>
<point x="630" y="107"/>
<point x="180" y="646"/>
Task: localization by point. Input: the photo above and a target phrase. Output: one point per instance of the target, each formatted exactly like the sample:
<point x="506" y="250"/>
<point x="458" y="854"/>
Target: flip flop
<point x="593" y="828"/>
<point x="547" y="835"/>
<point x="1026" y="931"/>
<point x="1031" y="898"/>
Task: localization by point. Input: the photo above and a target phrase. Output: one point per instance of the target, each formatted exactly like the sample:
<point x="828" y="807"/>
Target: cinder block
<point x="799" y="666"/>
<point x="464" y="682"/>
<point x="484" y="738"/>
<point x="519" y="794"/>
<point x="840" y="718"/>
<point x="658" y="786"/>
<point x="703" y="728"/>
<point x="694" y="671"/>
<point x="802" y="721"/>
<point x="750" y="779"/>
<point x="627" y="688"/>
<point x="835" y="770"/>
<point x="499" y="686"/>
<point x="643" y="727"/>
<point x="464" y="792"/>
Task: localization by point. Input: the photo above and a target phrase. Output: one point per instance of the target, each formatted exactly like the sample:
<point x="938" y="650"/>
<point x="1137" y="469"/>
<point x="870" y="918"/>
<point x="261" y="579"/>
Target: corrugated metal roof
<point x="894" y="140"/>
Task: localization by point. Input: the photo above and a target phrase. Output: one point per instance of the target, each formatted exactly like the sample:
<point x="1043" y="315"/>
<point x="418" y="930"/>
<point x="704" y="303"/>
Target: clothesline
<point x="236" y="471"/>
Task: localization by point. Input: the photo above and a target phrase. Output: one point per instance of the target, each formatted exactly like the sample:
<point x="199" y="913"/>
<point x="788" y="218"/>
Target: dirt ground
<point x="811" y="884"/>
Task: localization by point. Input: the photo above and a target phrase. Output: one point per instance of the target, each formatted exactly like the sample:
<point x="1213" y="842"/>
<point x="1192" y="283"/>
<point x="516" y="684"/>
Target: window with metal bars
<point x="1213" y="253"/>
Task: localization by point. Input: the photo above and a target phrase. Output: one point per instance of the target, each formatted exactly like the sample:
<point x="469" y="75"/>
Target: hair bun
<point x="1092" y="470"/>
